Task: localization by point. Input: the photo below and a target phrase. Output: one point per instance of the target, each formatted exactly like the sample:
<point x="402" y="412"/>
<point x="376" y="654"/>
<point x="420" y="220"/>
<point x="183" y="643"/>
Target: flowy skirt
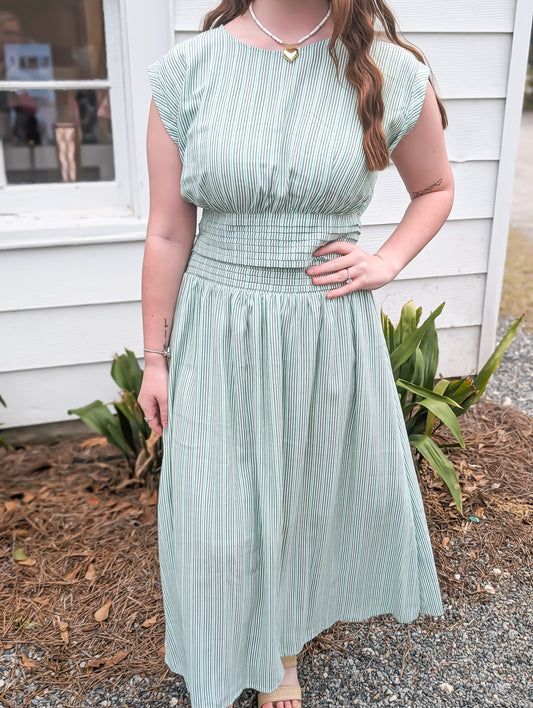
<point x="288" y="496"/>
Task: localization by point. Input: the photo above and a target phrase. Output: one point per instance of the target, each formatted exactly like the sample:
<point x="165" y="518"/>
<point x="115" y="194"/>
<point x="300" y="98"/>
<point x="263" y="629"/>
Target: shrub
<point x="428" y="403"/>
<point x="126" y="429"/>
<point x="4" y="442"/>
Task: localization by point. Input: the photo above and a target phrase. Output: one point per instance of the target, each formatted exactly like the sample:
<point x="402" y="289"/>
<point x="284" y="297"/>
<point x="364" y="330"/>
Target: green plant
<point x="126" y="429"/>
<point x="4" y="442"/>
<point x="428" y="403"/>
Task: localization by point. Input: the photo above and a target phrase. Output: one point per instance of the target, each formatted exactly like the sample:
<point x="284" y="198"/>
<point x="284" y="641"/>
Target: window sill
<point x="61" y="228"/>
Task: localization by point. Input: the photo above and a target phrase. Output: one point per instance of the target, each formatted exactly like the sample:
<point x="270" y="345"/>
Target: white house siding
<point x="71" y="297"/>
<point x="469" y="46"/>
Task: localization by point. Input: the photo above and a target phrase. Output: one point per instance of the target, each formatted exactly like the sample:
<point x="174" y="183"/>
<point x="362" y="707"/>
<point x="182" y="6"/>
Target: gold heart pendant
<point x="290" y="54"/>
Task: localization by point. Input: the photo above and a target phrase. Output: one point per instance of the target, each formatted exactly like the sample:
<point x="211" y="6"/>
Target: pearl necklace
<point x="291" y="51"/>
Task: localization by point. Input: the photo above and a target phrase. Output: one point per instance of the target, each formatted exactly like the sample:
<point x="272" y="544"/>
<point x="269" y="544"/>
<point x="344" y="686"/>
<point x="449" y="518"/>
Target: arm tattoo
<point x="166" y="334"/>
<point x="427" y="189"/>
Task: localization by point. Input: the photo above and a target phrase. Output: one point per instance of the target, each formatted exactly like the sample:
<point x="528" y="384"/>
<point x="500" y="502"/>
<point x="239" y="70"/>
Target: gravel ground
<point x="475" y="655"/>
<point x="512" y="383"/>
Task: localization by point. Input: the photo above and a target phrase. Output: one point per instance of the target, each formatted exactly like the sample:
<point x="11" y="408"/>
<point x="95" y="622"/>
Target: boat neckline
<point x="272" y="51"/>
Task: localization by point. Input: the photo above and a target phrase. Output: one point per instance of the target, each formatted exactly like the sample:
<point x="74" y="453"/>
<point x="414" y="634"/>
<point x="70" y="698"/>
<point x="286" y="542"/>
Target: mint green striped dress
<point x="288" y="496"/>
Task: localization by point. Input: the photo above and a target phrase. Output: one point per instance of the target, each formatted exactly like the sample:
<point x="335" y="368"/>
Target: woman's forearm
<point x="423" y="218"/>
<point x="164" y="263"/>
<point x="169" y="238"/>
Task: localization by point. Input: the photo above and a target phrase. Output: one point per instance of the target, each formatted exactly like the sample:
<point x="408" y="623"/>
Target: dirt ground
<point x="79" y="558"/>
<point x="517" y="292"/>
<point x="522" y="205"/>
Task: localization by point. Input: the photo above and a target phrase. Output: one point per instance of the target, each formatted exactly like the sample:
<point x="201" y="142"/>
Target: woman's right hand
<point x="153" y="396"/>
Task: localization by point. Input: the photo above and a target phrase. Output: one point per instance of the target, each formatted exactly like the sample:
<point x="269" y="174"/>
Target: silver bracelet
<point x="165" y="352"/>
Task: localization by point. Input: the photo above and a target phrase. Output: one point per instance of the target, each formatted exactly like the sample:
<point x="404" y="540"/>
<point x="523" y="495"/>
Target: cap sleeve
<point x="407" y="99"/>
<point x="167" y="81"/>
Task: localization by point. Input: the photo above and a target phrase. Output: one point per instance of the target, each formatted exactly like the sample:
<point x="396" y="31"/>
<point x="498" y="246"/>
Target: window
<point x="62" y="122"/>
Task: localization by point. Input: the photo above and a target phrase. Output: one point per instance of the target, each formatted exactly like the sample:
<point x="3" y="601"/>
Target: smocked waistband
<point x="268" y="279"/>
<point x="277" y="239"/>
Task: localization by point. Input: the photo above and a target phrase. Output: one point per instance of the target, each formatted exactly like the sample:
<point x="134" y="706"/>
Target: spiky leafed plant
<point x="126" y="429"/>
<point x="427" y="402"/>
<point x="4" y="442"/>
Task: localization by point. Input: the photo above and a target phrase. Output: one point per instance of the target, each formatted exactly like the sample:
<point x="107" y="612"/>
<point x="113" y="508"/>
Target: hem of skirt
<point x="297" y="648"/>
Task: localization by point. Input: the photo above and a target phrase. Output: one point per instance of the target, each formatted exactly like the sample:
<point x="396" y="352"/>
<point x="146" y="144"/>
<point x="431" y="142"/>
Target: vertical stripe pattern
<point x="288" y="497"/>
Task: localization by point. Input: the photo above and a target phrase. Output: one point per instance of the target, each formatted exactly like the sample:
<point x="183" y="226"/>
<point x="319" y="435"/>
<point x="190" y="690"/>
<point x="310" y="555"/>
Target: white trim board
<point x="504" y="187"/>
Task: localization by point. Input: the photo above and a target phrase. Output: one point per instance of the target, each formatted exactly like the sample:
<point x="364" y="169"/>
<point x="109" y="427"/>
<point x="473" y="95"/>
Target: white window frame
<point x="136" y="33"/>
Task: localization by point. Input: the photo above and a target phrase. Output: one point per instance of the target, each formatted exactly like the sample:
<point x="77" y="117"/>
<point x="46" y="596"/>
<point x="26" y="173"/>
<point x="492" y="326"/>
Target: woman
<point x="288" y="498"/>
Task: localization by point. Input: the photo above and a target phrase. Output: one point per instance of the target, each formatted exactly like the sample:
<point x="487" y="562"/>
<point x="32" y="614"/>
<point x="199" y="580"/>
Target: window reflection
<point x="73" y="30"/>
<point x="47" y="125"/>
<point x="54" y="135"/>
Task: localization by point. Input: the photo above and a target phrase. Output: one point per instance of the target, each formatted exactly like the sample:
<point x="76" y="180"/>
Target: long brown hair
<point x="354" y="22"/>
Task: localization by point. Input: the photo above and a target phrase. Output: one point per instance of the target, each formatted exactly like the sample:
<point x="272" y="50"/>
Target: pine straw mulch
<point x="86" y="603"/>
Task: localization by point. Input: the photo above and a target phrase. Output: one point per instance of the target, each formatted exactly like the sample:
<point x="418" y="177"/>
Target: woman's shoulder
<point x="404" y="75"/>
<point x="171" y="79"/>
<point x="393" y="60"/>
<point x="193" y="49"/>
<point x="405" y="80"/>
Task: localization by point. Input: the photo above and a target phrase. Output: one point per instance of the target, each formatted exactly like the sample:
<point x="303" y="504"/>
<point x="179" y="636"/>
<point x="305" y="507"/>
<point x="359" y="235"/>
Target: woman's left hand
<point x="367" y="271"/>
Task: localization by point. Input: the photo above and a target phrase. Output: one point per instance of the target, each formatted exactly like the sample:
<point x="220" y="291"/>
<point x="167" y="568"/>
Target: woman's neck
<point x="290" y="17"/>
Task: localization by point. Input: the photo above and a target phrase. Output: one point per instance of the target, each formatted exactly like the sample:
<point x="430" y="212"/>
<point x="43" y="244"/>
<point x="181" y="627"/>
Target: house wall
<point x="70" y="288"/>
<point x="469" y="46"/>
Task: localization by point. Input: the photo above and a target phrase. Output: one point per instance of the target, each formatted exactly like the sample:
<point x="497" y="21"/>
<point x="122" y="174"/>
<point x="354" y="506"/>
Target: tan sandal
<point x="282" y="693"/>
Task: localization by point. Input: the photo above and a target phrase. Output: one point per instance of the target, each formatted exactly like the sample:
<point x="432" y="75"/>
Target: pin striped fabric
<point x="288" y="497"/>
